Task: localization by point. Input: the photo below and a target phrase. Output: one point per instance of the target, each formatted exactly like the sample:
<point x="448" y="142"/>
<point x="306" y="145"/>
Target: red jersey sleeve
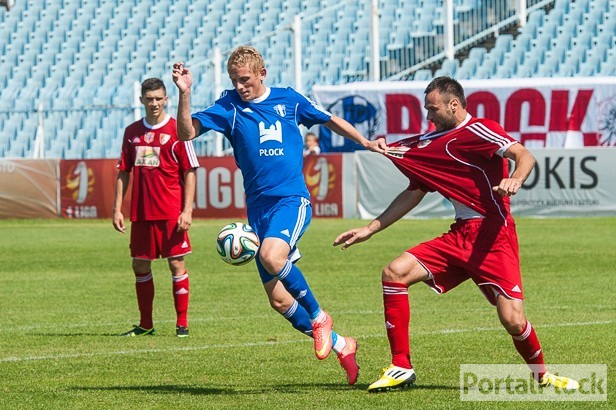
<point x="490" y="138"/>
<point x="184" y="153"/>
<point x="127" y="157"/>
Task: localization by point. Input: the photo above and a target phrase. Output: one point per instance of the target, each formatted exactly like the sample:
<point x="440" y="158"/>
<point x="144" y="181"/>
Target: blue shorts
<point x="285" y="218"/>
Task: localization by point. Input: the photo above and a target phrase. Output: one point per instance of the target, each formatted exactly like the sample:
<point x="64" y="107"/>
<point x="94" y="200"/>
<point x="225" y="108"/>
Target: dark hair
<point x="447" y="85"/>
<point x="152" y="84"/>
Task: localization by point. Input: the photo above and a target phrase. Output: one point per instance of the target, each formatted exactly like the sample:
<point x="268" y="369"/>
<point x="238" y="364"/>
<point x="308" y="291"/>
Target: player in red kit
<point x="465" y="160"/>
<point x="162" y="197"/>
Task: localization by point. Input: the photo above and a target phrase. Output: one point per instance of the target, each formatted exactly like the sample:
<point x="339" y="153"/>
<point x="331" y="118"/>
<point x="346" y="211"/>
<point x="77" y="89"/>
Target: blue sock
<point x="295" y="283"/>
<point x="299" y="319"/>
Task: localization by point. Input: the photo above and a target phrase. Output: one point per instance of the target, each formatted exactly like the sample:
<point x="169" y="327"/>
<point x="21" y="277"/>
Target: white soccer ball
<point x="237" y="243"/>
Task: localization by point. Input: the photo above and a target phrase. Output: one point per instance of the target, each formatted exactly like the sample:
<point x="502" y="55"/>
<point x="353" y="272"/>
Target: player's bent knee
<point x="514" y="327"/>
<point x="272" y="263"/>
<point x="404" y="269"/>
<point x="391" y="274"/>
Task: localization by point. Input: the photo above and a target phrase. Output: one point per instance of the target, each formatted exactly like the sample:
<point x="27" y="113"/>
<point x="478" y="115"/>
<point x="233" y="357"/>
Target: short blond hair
<point x="246" y="56"/>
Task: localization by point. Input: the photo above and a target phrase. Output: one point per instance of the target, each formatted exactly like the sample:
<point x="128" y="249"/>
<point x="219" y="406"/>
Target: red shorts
<point x="481" y="250"/>
<point x="150" y="240"/>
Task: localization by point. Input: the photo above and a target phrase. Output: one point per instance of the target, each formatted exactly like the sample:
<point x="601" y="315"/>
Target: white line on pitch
<point x="260" y="344"/>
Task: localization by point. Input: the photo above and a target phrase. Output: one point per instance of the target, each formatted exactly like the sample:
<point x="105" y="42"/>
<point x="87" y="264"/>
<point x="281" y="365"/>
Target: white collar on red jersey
<point x="159" y="125"/>
<point x="433" y="134"/>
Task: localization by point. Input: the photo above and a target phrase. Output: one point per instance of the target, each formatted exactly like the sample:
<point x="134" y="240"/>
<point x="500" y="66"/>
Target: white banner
<point x="547" y="112"/>
<point x="564" y="183"/>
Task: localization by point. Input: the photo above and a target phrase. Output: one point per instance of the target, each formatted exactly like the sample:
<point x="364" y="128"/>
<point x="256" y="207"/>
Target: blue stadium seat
<point x="423" y="75"/>
<point x="448" y="68"/>
<point x="66" y="53"/>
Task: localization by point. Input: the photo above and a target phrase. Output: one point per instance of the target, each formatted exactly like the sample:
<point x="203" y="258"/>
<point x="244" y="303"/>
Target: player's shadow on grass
<point x="208" y="391"/>
<point x="278" y="388"/>
<point x="77" y="334"/>
<point x="364" y="386"/>
<point x="163" y="389"/>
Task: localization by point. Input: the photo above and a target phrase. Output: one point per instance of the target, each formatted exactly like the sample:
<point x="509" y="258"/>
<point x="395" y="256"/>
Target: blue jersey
<point x="266" y="140"/>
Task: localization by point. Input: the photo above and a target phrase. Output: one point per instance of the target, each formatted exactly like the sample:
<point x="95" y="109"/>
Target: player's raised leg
<point x="290" y="309"/>
<point x="272" y="249"/>
<point x="280" y="226"/>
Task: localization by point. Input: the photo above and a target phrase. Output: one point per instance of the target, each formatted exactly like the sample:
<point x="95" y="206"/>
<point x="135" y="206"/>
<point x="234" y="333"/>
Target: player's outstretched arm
<point x="182" y="77"/>
<point x="399" y="207"/>
<point x="357" y="235"/>
<point x="343" y="127"/>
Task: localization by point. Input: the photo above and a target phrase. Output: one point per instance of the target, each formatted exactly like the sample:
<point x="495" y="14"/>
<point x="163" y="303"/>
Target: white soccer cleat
<point x="559" y="382"/>
<point x="393" y="377"/>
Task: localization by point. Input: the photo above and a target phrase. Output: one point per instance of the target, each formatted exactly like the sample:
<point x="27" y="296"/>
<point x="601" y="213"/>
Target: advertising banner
<point x="569" y="183"/>
<point x="219" y="192"/>
<point x="546" y="113"/>
<point x="323" y="174"/>
<point x="87" y="187"/>
<point x="564" y="183"/>
<point x="28" y="188"/>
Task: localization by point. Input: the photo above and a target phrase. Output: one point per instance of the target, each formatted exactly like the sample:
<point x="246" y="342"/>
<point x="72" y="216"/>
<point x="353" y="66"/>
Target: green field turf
<point x="66" y="288"/>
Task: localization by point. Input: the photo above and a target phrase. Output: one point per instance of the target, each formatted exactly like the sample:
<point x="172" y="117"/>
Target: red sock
<point x="527" y="344"/>
<point x="397" y="319"/>
<point x="144" y="285"/>
<point x="180" y="298"/>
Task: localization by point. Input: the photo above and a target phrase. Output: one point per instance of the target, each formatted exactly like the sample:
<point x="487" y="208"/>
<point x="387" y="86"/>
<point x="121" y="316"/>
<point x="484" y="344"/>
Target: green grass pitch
<point x="66" y="288"/>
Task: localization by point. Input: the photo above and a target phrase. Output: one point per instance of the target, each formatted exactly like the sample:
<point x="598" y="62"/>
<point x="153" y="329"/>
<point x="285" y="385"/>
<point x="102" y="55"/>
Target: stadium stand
<point x="78" y="60"/>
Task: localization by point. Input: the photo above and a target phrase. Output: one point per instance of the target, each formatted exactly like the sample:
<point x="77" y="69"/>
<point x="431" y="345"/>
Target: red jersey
<point x="461" y="164"/>
<point x="159" y="160"/>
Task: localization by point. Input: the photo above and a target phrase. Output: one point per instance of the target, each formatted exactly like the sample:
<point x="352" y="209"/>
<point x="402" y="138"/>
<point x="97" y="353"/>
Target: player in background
<point x="311" y="144"/>
<point x="262" y="125"/>
<point x="465" y="160"/>
<point x="162" y="197"/>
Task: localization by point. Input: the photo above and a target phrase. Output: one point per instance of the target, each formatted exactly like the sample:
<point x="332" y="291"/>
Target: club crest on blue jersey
<point x="273" y="133"/>
<point x="280" y="109"/>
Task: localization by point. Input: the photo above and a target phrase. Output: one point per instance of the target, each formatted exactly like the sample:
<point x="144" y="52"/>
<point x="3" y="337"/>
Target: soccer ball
<point x="237" y="243"/>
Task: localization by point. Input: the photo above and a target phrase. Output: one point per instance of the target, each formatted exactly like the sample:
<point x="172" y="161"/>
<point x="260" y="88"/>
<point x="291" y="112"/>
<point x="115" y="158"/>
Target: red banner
<point x="323" y="174"/>
<point x="544" y="112"/>
<point x="87" y="188"/>
<point x="219" y="191"/>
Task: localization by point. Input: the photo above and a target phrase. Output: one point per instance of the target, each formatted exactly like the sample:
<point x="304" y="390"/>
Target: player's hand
<point x="182" y="77"/>
<point x="184" y="221"/>
<point x="353" y="236"/>
<point x="118" y="222"/>
<point x="378" y="145"/>
<point x="508" y="187"/>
